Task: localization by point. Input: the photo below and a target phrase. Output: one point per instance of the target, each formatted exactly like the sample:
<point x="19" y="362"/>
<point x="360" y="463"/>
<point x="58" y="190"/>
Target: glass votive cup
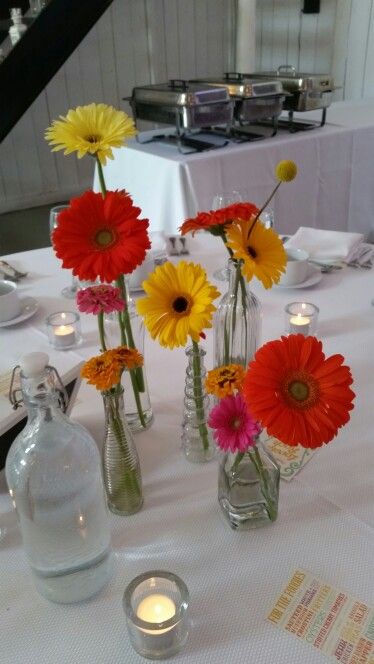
<point x="301" y="318"/>
<point x="156" y="609"/>
<point x="64" y="330"/>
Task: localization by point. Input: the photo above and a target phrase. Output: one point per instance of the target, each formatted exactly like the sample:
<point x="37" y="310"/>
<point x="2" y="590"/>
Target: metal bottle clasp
<point x="15" y="393"/>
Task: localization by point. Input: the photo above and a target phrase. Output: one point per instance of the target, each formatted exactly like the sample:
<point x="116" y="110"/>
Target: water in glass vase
<point x="248" y="488"/>
<point x="54" y="477"/>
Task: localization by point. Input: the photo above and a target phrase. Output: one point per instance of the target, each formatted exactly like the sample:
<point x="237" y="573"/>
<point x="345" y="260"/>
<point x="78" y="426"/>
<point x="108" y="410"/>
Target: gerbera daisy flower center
<point x="104" y="238"/>
<point x="300" y="389"/>
<point x="236" y="423"/>
<point x="93" y="138"/>
<point x="181" y="304"/>
<point x="252" y="252"/>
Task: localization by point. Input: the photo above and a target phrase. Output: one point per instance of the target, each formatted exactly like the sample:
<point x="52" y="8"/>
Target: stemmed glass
<point x="69" y="291"/>
<point x="221" y="201"/>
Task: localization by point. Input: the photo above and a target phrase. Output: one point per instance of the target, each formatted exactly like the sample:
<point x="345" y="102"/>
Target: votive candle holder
<point x="301" y="318"/>
<point x="64" y="329"/>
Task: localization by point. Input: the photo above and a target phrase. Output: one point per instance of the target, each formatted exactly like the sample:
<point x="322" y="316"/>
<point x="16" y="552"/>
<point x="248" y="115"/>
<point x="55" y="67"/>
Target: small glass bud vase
<point x="122" y="478"/>
<point x="248" y="488"/>
<point x="197" y="439"/>
<point x="237" y="321"/>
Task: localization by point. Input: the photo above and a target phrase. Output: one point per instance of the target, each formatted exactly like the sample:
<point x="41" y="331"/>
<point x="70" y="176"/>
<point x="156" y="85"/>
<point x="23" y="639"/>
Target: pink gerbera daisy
<point x="100" y="299"/>
<point x="235" y="430"/>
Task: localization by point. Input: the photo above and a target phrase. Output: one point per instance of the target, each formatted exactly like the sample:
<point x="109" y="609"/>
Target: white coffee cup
<point x="10" y="306"/>
<point x="296" y="268"/>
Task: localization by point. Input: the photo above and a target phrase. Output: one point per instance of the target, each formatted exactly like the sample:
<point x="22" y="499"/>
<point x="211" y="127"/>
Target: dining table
<point x="326" y="512"/>
<point x="333" y="189"/>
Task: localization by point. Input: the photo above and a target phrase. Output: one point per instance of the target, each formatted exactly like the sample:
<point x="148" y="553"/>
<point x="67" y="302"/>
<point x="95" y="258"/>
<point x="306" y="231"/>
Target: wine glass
<point x="221" y="201"/>
<point x="69" y="291"/>
<point x="267" y="217"/>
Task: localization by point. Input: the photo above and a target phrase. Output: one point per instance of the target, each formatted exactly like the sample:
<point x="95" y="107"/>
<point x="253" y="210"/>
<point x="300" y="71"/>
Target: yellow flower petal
<point x="178" y="304"/>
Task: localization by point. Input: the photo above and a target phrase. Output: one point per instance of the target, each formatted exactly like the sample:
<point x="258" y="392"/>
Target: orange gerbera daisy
<point x="126" y="358"/>
<point x="215" y="220"/>
<point x="222" y="381"/>
<point x="101" y="237"/>
<point x="296" y="393"/>
<point x="102" y="372"/>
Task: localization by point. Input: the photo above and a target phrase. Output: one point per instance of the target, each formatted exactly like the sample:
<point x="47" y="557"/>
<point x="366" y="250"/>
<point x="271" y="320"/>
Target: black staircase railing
<point x="39" y="54"/>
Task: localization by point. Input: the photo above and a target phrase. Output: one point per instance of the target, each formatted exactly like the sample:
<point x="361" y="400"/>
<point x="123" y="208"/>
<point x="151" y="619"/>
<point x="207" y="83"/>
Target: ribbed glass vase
<point x="197" y="439"/>
<point x="248" y="488"/>
<point x="138" y="407"/>
<point x="122" y="478"/>
<point x="237" y="322"/>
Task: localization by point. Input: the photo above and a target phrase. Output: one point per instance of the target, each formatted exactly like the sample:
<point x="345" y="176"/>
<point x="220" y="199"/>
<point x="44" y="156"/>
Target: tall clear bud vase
<point x="197" y="439"/>
<point x="122" y="478"/>
<point x="237" y="322"/>
<point x="136" y="400"/>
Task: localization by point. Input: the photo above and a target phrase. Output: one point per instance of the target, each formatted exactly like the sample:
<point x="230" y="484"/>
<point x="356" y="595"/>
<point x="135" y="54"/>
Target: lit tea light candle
<point x="300" y="324"/>
<point x="156" y="608"/>
<point x="65" y="336"/>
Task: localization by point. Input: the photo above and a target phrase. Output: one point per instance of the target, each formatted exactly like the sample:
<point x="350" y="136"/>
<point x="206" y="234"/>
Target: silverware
<point x="10" y="272"/>
<point x="326" y="268"/>
<point x="184" y="249"/>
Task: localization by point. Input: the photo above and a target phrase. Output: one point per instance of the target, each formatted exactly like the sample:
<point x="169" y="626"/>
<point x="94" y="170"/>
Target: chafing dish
<point x="255" y="99"/>
<point x="307" y="92"/>
<point x="182" y="104"/>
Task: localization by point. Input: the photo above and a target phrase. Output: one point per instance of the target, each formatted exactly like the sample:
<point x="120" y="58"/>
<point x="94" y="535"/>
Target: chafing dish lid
<point x="300" y="80"/>
<point x="242" y="85"/>
<point x="180" y="93"/>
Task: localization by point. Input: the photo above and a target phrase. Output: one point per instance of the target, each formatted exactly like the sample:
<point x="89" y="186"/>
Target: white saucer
<point x="29" y="307"/>
<point x="314" y="277"/>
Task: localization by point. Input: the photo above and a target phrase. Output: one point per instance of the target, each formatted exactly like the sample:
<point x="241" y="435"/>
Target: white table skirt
<point x="333" y="188"/>
<point x="325" y="523"/>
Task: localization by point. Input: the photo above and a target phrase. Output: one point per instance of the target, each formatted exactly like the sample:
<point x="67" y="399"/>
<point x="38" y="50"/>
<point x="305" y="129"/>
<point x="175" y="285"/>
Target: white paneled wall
<point x="340" y="40"/>
<point x="135" y="42"/>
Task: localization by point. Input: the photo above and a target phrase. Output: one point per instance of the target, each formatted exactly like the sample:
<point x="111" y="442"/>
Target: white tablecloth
<point x="334" y="188"/>
<point x="325" y="523"/>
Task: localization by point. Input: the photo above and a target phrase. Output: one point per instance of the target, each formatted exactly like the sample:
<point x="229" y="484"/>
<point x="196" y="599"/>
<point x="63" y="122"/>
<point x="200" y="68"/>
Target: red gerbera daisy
<point x="214" y="220"/>
<point x="296" y="393"/>
<point x="101" y="237"/>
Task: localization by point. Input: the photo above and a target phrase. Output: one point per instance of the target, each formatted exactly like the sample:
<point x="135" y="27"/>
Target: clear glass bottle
<point x="128" y="378"/>
<point x="122" y="476"/>
<point x="237" y="321"/>
<point x="53" y="471"/>
<point x="197" y="439"/>
<point x="248" y="488"/>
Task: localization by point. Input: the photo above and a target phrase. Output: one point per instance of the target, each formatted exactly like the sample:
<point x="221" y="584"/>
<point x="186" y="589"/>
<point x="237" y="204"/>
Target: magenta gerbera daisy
<point x="100" y="299"/>
<point x="235" y="430"/>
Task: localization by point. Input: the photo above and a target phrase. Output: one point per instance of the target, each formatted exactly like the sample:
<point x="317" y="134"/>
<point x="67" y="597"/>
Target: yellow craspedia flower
<point x="93" y="129"/>
<point x="286" y="170"/>
<point x="224" y="380"/>
<point x="178" y="303"/>
<point x="260" y="250"/>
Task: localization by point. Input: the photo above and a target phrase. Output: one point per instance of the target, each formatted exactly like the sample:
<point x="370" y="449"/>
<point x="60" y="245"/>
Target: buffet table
<point x="325" y="523"/>
<point x="333" y="188"/>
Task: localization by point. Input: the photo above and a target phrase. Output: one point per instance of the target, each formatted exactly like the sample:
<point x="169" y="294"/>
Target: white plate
<point x="29" y="307"/>
<point x="313" y="278"/>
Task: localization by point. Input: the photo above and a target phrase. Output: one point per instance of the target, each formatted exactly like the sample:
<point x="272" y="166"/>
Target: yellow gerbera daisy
<point x="223" y="381"/>
<point x="261" y="251"/>
<point x="93" y="129"/>
<point x="179" y="303"/>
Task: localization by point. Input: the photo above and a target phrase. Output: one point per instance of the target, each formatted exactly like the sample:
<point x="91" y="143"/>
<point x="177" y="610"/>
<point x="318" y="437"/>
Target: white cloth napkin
<point x="332" y="246"/>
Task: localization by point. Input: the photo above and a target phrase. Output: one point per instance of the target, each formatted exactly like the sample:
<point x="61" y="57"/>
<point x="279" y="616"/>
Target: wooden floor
<point x="24" y="229"/>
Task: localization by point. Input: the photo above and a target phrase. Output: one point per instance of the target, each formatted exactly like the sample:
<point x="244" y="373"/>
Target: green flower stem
<point x="262" y="473"/>
<point x="130" y="481"/>
<point x="264" y="206"/>
<point x="198" y="394"/>
<point x="101" y="176"/>
<point x="100" y="322"/>
<point x="136" y="375"/>
<point x="238" y="458"/>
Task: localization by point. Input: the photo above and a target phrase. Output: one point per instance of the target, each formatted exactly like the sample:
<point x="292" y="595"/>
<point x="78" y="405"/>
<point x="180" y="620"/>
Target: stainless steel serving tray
<point x="182" y="104"/>
<point x="254" y="99"/>
<point x="308" y="92"/>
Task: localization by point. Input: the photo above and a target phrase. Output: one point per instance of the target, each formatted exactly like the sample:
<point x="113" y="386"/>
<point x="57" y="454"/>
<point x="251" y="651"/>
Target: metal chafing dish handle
<point x="286" y="68"/>
<point x="177" y="83"/>
<point x="233" y="75"/>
